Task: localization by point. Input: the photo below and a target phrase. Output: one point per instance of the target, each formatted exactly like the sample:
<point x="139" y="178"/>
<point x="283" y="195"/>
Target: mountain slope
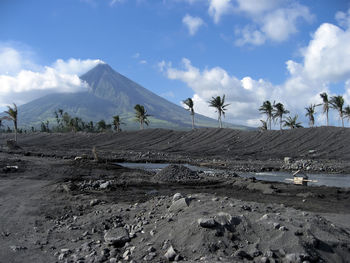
<point x="109" y="94"/>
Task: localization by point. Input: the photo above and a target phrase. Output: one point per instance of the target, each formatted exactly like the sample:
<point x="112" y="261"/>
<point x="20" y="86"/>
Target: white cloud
<point x="75" y="66"/>
<point x="328" y="54"/>
<point x="343" y="18"/>
<point x="218" y="8"/>
<point x="113" y="2"/>
<point x="274" y="20"/>
<point x="192" y="23"/>
<point x="22" y="85"/>
<point x="325" y="61"/>
<point x="143" y="61"/>
<point x="257" y="7"/>
<point x="249" y="35"/>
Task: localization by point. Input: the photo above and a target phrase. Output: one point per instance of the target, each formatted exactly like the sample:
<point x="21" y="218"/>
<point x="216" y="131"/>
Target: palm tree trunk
<point x="342" y="120"/>
<point x="327" y="117"/>
<point x="270" y="122"/>
<point x="192" y="121"/>
<point x="220" y="124"/>
<point x="281" y="123"/>
<point x="15" y="126"/>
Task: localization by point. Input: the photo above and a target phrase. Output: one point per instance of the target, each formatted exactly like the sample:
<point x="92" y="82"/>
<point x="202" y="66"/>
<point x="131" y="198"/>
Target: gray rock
<point x="292" y="258"/>
<point x="207" y="222"/>
<point x="117" y="237"/>
<point x="177" y="196"/>
<point x="105" y="185"/>
<point x="226" y="220"/>
<point x="94" y="202"/>
<point x="170" y="254"/>
<point x="179" y="205"/>
<point x="150" y="256"/>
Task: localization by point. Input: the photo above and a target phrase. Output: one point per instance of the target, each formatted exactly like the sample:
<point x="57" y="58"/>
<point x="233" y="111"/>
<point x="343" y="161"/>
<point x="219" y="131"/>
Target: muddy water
<point x="337" y="180"/>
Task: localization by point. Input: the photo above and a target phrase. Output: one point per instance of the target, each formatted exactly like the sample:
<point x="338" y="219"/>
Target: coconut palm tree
<point x="278" y="112"/>
<point x="117" y="122"/>
<point x="310" y="112"/>
<point x="337" y="103"/>
<point x="12" y="115"/>
<point x="141" y="115"/>
<point x="347" y="112"/>
<point x="325" y="104"/>
<point x="267" y="108"/>
<point x="189" y="103"/>
<point x="292" y="122"/>
<point x="219" y="104"/>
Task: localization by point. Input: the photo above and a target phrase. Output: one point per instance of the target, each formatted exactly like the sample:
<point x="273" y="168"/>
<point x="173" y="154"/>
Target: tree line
<point x="276" y="111"/>
<point x="273" y="111"/>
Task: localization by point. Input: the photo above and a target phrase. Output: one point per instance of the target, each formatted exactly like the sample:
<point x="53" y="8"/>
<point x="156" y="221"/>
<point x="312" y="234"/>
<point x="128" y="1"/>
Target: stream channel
<point x="337" y="180"/>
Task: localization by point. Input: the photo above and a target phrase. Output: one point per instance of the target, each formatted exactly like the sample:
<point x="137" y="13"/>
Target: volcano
<point x="109" y="94"/>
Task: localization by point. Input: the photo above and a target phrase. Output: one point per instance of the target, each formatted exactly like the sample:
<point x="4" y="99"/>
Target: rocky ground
<point x="55" y="207"/>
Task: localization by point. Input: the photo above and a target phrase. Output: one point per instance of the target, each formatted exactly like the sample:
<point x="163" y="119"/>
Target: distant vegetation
<point x="275" y="112"/>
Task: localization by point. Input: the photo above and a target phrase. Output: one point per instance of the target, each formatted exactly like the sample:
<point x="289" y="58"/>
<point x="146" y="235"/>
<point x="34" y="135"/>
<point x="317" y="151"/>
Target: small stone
<point x="170" y="254"/>
<point x="105" y="185"/>
<point x="179" y="205"/>
<point x="283" y="228"/>
<point x="177" y="196"/>
<point x="94" y="202"/>
<point x="150" y="256"/>
<point x="207" y="222"/>
<point x="276" y="225"/>
<point x="117" y="237"/>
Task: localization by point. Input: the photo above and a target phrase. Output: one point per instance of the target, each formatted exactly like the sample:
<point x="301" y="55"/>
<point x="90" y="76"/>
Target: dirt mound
<point x="176" y="173"/>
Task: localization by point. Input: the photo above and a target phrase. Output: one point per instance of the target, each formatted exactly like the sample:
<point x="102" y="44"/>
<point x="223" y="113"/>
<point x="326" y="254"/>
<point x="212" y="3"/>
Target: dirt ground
<point x="55" y="208"/>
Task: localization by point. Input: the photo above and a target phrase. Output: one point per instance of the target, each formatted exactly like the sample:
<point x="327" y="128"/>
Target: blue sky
<point x="281" y="50"/>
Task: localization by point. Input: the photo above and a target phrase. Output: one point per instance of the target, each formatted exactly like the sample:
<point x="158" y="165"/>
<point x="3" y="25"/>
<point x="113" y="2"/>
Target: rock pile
<point x="176" y="173"/>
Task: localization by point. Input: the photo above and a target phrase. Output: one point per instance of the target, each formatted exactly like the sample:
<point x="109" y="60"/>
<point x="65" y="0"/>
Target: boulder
<point x="179" y="205"/>
<point x="207" y="222"/>
<point x="117" y="237"/>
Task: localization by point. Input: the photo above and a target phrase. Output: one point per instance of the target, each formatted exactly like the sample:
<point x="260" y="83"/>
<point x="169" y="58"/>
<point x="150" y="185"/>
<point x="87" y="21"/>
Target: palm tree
<point x="278" y="112"/>
<point x="117" y="122"/>
<point x="337" y="103"/>
<point x="219" y="104"/>
<point x="324" y="97"/>
<point x="292" y="122"/>
<point x="12" y="114"/>
<point x="347" y="112"/>
<point x="310" y="112"/>
<point x="267" y="108"/>
<point x="189" y="103"/>
<point x="141" y="115"/>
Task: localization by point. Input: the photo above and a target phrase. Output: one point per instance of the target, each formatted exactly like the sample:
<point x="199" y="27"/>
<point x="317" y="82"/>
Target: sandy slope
<point x="54" y="208"/>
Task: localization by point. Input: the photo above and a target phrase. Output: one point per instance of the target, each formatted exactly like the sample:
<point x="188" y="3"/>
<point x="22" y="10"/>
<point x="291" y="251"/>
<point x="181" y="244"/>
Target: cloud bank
<point x="21" y="80"/>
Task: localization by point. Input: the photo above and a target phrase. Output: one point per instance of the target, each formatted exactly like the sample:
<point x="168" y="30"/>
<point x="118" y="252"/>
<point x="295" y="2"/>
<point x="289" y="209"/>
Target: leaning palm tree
<point x="117" y="122"/>
<point x="278" y="112"/>
<point x="219" y="104"/>
<point x="310" y="112"/>
<point x="292" y="122"/>
<point x="347" y="112"/>
<point x="325" y="104"/>
<point x="189" y="103"/>
<point x="12" y="114"/>
<point x="267" y="108"/>
<point x="337" y="103"/>
<point x="141" y="115"/>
